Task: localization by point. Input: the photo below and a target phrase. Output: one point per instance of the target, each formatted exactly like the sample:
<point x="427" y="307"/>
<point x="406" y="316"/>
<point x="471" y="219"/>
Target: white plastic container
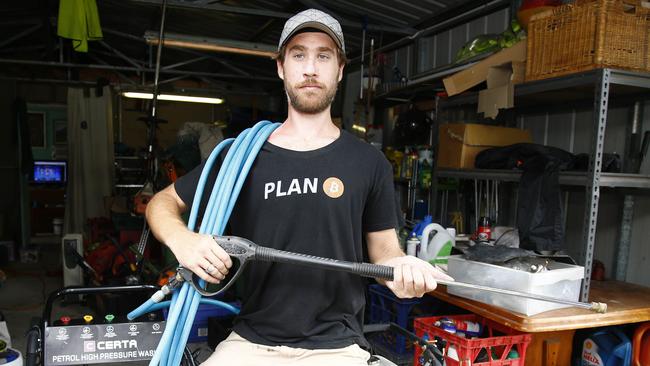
<point x="18" y="361"/>
<point x="560" y="281"/>
<point x="57" y="226"/>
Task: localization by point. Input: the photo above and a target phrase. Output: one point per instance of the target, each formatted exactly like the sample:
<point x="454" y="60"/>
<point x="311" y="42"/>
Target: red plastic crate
<point x="500" y="341"/>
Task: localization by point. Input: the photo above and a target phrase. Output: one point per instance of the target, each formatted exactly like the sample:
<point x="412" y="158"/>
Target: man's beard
<point x="303" y="104"/>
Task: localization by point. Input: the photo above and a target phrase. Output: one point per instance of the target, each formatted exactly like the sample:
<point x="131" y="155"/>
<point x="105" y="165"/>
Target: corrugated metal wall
<point x="440" y="49"/>
<point x="571" y="129"/>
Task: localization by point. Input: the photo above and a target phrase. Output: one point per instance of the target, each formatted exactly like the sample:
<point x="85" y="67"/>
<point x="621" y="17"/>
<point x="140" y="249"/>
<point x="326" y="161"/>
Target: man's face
<point x="310" y="72"/>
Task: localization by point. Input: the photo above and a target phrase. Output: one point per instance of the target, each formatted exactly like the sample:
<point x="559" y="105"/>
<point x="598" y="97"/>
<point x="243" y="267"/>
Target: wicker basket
<point x="587" y="35"/>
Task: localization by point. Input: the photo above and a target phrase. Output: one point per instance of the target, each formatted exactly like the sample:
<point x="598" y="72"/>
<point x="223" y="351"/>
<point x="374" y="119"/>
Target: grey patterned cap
<point x="312" y="18"/>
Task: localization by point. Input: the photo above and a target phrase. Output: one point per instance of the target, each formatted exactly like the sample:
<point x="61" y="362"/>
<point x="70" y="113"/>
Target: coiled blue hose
<point x="185" y="301"/>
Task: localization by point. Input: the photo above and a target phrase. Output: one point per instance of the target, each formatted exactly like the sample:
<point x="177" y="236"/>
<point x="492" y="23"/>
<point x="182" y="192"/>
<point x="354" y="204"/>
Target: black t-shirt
<point x="320" y="203"/>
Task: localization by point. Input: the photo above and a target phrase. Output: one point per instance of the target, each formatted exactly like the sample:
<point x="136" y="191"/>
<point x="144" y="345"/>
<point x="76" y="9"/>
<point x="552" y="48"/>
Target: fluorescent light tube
<point x="173" y="97"/>
<point x="359" y="128"/>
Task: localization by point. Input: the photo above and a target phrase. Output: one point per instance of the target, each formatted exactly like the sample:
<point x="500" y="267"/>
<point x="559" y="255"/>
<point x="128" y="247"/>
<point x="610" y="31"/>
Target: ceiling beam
<point x="50" y="81"/>
<point x="392" y="9"/>
<point x="436" y="3"/>
<point x="463" y="10"/>
<point x="135" y="69"/>
<point x="22" y="49"/>
<point x="224" y="63"/>
<point x="183" y="50"/>
<point x="182" y="63"/>
<point x="230" y="91"/>
<point x="413" y="5"/>
<point x="25" y="21"/>
<point x="261" y="30"/>
<point x="170" y="80"/>
<point x="120" y="54"/>
<point x="132" y="37"/>
<point x="350" y="23"/>
<point x="20" y="35"/>
<point x="278" y="15"/>
<point x="316" y="5"/>
<point x="118" y="73"/>
<point x="220" y="7"/>
<point x="372" y="13"/>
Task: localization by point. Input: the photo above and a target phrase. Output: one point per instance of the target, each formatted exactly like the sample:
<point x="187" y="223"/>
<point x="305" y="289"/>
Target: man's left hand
<point x="413" y="277"/>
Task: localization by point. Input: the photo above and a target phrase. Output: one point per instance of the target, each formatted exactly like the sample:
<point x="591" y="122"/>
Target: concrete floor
<point x="23" y="294"/>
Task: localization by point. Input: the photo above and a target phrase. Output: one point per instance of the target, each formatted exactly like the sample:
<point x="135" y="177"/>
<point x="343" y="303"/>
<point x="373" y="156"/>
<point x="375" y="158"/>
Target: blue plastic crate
<point x="199" y="332"/>
<point x="385" y="307"/>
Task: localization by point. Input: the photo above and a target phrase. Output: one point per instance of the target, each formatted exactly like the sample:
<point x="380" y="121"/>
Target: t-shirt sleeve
<point x="187" y="184"/>
<point x="379" y="211"/>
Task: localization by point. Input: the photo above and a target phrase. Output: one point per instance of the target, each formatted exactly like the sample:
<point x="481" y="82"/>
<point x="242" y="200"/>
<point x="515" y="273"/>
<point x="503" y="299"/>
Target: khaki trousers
<point x="237" y="351"/>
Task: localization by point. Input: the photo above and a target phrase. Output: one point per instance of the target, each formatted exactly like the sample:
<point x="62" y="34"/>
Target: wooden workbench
<point x="553" y="330"/>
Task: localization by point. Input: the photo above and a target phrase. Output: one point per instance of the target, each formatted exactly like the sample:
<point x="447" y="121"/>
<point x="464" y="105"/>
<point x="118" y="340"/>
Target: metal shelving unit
<point x="610" y="180"/>
<point x="575" y="87"/>
<point x="599" y="85"/>
<point x="129" y="172"/>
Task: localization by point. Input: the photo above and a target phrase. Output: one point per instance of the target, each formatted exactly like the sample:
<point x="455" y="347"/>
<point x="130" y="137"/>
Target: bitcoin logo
<point x="333" y="187"/>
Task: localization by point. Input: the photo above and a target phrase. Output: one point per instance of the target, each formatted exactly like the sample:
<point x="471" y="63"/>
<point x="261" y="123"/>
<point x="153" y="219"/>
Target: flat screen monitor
<point x="48" y="171"/>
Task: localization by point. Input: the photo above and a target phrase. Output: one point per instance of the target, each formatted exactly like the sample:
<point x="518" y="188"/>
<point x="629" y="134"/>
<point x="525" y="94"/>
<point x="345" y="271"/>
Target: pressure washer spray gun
<point x="244" y="251"/>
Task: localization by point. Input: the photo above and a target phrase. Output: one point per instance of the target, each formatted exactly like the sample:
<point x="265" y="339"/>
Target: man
<point x="313" y="189"/>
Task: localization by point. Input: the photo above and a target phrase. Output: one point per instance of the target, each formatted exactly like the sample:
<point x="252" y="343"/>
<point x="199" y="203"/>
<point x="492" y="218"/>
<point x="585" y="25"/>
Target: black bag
<point x="611" y="163"/>
<point x="539" y="210"/>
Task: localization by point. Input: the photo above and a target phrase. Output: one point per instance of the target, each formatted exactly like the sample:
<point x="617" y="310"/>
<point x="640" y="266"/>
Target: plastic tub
<point x="560" y="281"/>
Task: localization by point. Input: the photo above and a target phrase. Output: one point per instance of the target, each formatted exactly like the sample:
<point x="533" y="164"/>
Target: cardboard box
<point x="500" y="92"/>
<point x="476" y="74"/>
<point x="459" y="143"/>
<point x="492" y="99"/>
<point x="518" y="72"/>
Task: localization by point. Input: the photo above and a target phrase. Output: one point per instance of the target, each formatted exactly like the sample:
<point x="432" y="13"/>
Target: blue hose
<point x="230" y="179"/>
<point x="207" y="301"/>
<point x="144" y="308"/>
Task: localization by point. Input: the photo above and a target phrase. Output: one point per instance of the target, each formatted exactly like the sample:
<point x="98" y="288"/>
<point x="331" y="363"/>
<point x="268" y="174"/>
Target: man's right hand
<point x="201" y="254"/>
<point x="197" y="252"/>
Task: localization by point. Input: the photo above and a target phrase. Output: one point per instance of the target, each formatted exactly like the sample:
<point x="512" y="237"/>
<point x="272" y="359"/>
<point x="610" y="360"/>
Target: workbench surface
<point x="626" y="303"/>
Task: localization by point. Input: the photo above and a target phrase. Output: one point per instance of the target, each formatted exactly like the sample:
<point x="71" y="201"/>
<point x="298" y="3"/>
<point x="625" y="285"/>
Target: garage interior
<point x="519" y="124"/>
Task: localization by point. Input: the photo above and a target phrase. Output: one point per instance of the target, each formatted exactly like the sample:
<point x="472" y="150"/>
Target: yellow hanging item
<point x="79" y="21"/>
